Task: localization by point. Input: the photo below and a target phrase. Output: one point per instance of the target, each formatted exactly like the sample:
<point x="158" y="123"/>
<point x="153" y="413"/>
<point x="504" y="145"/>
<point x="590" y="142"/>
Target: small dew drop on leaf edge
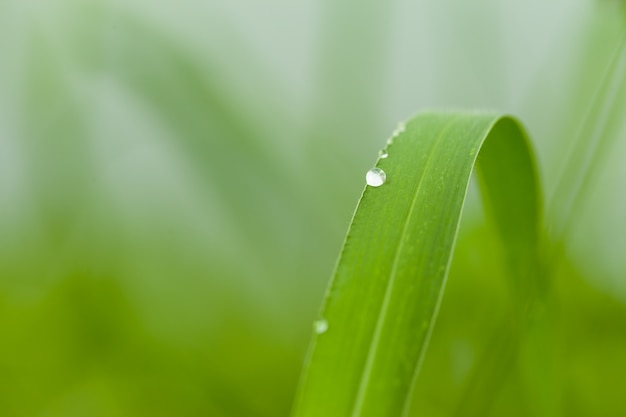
<point x="375" y="177"/>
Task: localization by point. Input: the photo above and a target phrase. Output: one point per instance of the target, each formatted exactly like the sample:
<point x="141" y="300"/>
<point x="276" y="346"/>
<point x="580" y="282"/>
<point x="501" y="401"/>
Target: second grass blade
<point x="384" y="296"/>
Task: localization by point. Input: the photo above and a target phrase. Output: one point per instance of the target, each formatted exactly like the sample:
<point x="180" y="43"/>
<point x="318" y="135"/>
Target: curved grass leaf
<point x="388" y="283"/>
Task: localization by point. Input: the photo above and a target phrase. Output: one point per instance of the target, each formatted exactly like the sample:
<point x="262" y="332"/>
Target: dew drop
<point x="375" y="177"/>
<point x="320" y="326"/>
<point x="383" y="154"/>
<point x="400" y="129"/>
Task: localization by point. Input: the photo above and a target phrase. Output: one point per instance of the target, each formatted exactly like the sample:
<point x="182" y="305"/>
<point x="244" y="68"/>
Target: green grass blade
<point x="388" y="283"/>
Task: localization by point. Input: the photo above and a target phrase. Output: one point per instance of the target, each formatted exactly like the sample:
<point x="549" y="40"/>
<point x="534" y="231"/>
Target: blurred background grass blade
<point x="597" y="133"/>
<point x="383" y="300"/>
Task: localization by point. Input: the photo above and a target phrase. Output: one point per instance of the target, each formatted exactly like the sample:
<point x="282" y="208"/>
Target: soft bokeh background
<point x="176" y="179"/>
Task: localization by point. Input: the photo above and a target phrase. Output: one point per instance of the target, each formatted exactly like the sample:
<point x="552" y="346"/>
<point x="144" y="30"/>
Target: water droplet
<point x="383" y="154"/>
<point x="375" y="177"/>
<point x="400" y="129"/>
<point x="320" y="326"/>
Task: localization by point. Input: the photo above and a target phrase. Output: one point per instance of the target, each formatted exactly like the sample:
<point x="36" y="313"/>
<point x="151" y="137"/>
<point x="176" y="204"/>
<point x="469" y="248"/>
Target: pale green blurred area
<point x="176" y="180"/>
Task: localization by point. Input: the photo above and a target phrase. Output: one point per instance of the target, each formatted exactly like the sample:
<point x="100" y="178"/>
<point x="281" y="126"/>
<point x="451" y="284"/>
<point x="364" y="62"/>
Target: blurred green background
<point x="176" y="179"/>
